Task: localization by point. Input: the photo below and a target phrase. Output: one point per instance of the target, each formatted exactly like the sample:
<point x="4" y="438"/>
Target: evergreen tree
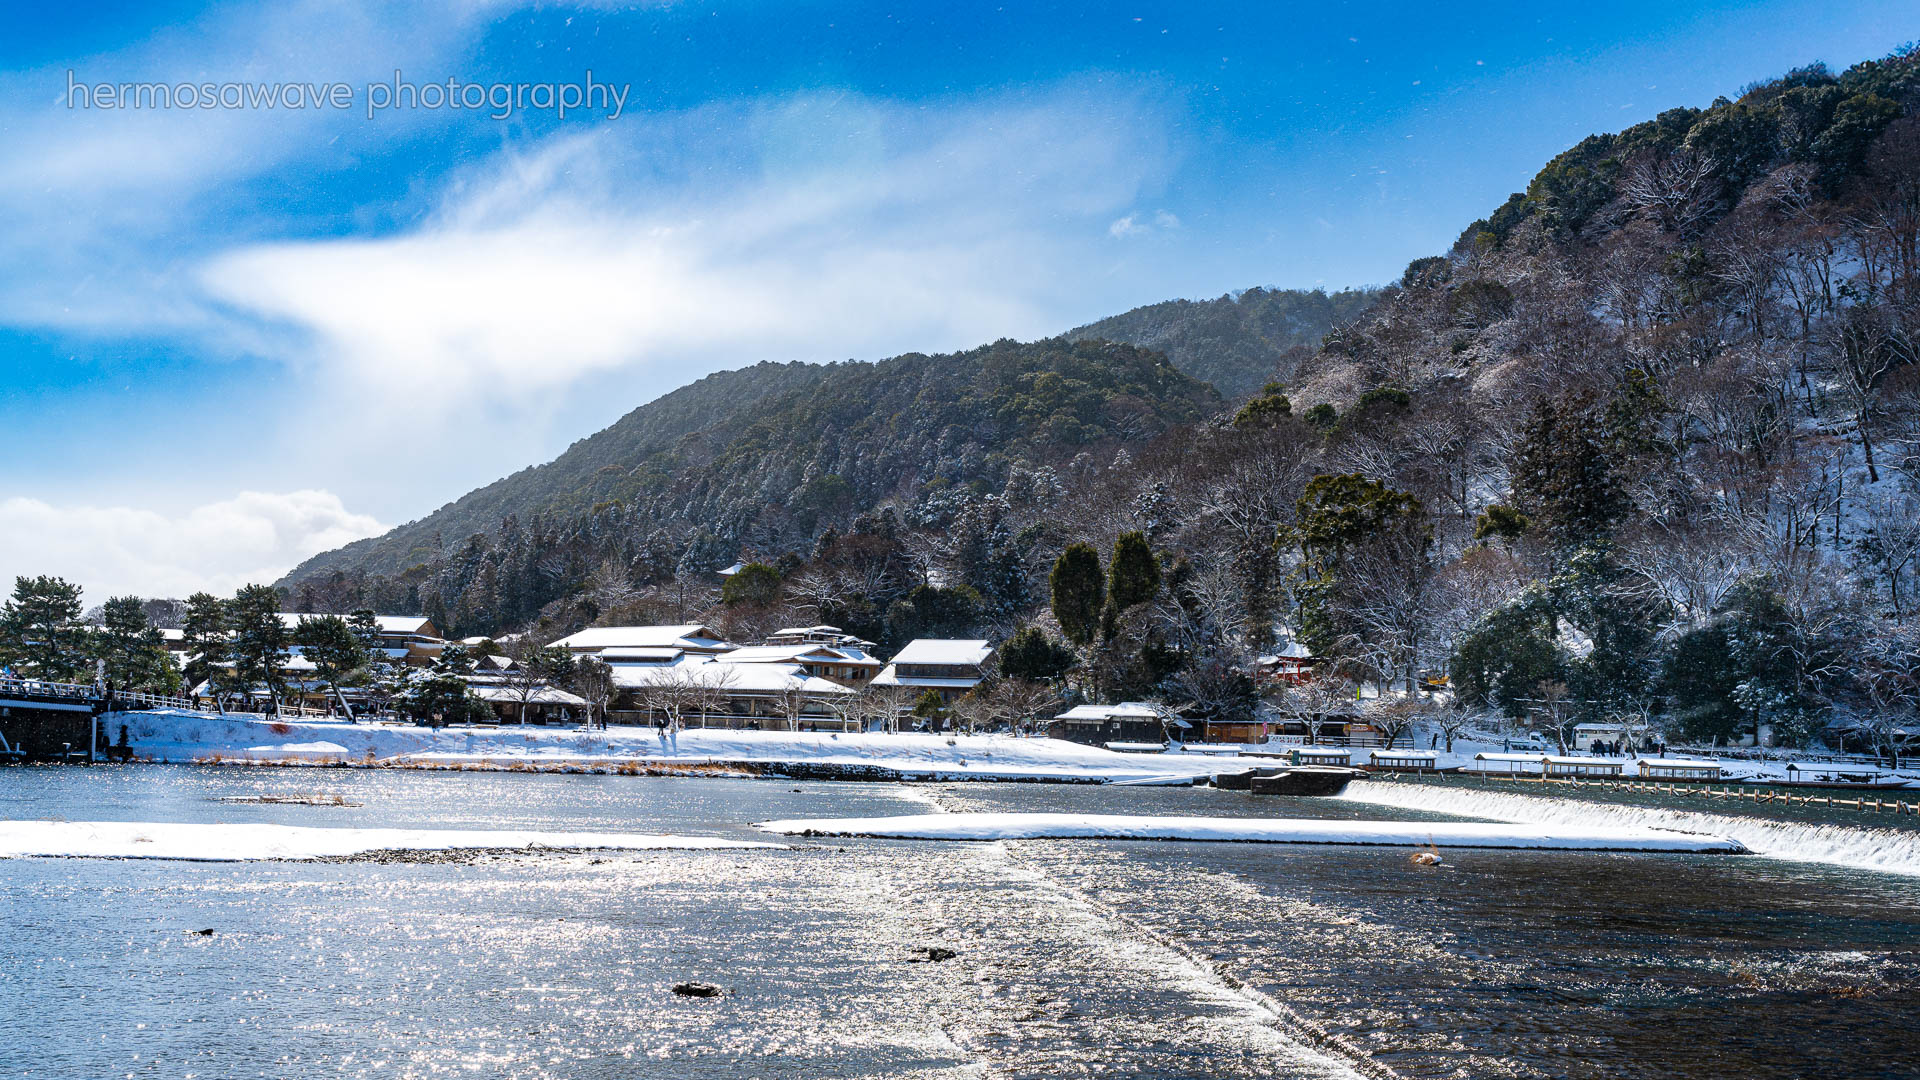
<point x="931" y="611"/>
<point x="1078" y="591"/>
<point x="454" y="660"/>
<point x="204" y="633"/>
<point x="335" y="650"/>
<point x="132" y="649"/>
<point x="1031" y="654"/>
<point x="40" y="632"/>
<point x="1363" y="562"/>
<point x="1133" y="577"/>
<point x="755" y="585"/>
<point x="1564" y="481"/>
<point x="258" y="646"/>
<point x="1505" y="658"/>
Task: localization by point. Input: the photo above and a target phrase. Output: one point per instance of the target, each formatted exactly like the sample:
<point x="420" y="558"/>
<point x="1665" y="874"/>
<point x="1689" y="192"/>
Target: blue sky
<point x="231" y="337"/>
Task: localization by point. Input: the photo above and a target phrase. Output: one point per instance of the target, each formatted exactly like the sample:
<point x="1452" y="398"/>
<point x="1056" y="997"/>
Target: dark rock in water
<point x="931" y="954"/>
<point x="696" y="989"/>
<point x="1305" y="780"/>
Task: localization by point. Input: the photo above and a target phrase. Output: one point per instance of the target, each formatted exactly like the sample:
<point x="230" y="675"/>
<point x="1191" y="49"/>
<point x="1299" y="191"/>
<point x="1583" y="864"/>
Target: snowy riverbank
<point x="178" y="736"/>
<point x="1894" y="851"/>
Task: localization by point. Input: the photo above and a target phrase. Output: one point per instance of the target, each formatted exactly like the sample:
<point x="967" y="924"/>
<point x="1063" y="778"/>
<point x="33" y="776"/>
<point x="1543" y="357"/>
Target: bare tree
<point x="883" y="705"/>
<point x="593" y="680"/>
<point x="1677" y="190"/>
<point x="1393" y="719"/>
<point x="1023" y="701"/>
<point x="1890" y="544"/>
<point x="1321" y="694"/>
<point x="671" y="695"/>
<point x="609" y="588"/>
<point x="1451" y="723"/>
<point x="1862" y="346"/>
<point x="527" y="674"/>
<point x="975" y="710"/>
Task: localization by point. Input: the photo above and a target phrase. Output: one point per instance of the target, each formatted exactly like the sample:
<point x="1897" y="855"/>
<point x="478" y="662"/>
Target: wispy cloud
<point x="850" y="228"/>
<point x="110" y="550"/>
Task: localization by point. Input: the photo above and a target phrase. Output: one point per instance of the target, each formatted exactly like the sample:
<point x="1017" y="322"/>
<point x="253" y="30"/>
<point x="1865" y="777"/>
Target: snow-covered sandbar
<point x="241" y="842"/>
<point x="1256" y="830"/>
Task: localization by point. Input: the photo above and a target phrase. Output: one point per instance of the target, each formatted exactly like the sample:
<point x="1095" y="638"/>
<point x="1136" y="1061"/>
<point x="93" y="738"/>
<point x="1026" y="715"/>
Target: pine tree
<point x="1079" y="590"/>
<point x="204" y="633"/>
<point x="40" y="633"/>
<point x="258" y="646"/>
<point x="131" y="648"/>
<point x="334" y="648"/>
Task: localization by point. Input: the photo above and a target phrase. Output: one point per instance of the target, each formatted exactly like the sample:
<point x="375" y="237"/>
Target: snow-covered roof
<point x="799" y="631"/>
<point x="968" y="652"/>
<point x="1125" y="710"/>
<point x="641" y="656"/>
<point x="1678" y="763"/>
<point x="388" y="624"/>
<point x="786" y="654"/>
<point x="728" y="678"/>
<point x="1534" y="758"/>
<point x="545" y="695"/>
<point x="681" y="636"/>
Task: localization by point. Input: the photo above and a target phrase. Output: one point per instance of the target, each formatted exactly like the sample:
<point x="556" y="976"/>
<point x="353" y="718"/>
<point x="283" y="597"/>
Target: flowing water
<point x="1072" y="958"/>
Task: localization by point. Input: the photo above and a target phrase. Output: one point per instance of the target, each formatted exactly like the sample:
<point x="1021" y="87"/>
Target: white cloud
<point x="835" y="227"/>
<point x="1132" y="225"/>
<point x="253" y="537"/>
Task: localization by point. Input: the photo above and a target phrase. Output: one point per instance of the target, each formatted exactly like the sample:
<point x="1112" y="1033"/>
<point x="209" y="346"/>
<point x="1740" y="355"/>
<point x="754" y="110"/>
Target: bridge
<point x="42" y="720"/>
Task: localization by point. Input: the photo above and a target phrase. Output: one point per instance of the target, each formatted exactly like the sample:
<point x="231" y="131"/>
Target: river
<point x="1071" y="958"/>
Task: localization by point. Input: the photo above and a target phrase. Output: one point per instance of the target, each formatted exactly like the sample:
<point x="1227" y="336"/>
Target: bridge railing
<point x="45" y="688"/>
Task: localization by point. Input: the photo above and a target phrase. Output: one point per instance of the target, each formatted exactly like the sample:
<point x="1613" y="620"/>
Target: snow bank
<point x="179" y="736"/>
<point x="1894" y="851"/>
<point x="231" y="843"/>
<point x="1262" y="830"/>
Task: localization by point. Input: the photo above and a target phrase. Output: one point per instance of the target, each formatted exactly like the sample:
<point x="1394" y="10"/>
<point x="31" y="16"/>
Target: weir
<point x="1893" y="851"/>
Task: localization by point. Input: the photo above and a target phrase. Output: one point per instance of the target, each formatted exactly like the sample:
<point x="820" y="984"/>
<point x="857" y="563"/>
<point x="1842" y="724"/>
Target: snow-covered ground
<point x="238" y="842"/>
<point x="1895" y="851"/>
<point x="991" y="826"/>
<point x="180" y="736"/>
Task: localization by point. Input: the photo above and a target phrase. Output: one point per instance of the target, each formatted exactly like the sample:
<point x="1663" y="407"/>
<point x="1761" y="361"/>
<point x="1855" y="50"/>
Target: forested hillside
<point x="1645" y="441"/>
<point x="1237" y="343"/>
<point x="763" y="459"/>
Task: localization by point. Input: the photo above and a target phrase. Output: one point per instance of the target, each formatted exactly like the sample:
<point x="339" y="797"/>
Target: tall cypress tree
<point x="1079" y="589"/>
<point x="1134" y="575"/>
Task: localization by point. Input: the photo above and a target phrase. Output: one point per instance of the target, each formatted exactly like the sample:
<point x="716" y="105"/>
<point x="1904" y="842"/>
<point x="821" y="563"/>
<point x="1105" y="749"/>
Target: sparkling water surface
<point x="1072" y="958"/>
